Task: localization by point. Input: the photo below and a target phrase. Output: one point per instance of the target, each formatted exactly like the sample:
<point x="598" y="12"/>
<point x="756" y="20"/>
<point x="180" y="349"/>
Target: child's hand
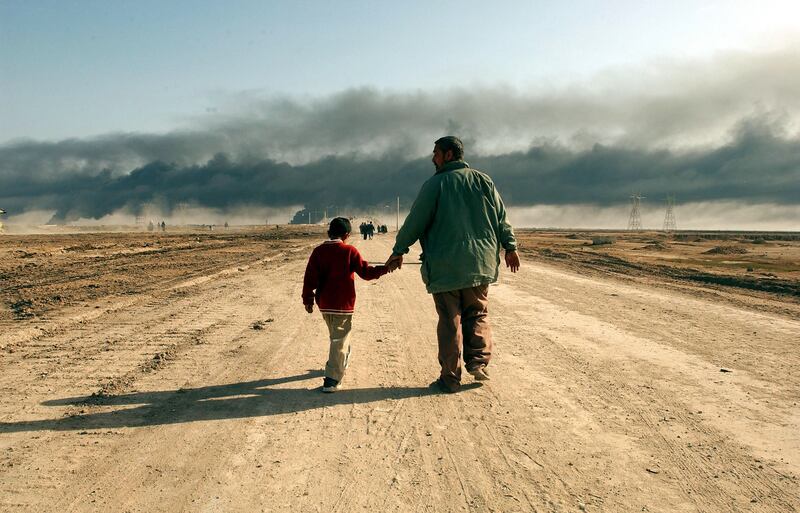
<point x="309" y="308"/>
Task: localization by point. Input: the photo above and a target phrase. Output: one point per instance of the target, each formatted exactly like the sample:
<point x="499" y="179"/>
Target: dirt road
<point x="204" y="396"/>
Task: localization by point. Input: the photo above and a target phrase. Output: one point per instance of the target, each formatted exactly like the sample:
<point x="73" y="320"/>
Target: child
<point x="329" y="281"/>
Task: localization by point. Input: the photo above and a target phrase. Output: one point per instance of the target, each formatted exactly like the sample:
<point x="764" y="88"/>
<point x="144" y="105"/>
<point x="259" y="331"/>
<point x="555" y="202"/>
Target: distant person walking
<point x="460" y="222"/>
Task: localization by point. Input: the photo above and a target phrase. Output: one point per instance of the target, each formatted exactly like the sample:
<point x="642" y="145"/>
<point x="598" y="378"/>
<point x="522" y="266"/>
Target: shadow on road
<point x="219" y="402"/>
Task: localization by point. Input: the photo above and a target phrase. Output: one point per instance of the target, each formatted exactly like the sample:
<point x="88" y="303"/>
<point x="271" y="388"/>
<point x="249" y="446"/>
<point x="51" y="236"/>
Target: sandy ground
<point x="202" y="394"/>
<point x="756" y="270"/>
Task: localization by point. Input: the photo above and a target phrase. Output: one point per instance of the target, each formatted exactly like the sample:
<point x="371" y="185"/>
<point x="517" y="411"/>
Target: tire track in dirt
<point x="728" y="483"/>
<point x="237" y="423"/>
<point x="123" y="342"/>
<point x="188" y="310"/>
<point x="44" y="281"/>
<point x="213" y="447"/>
<point x="60" y="322"/>
<point x="691" y="338"/>
<point x="731" y="336"/>
<point x="454" y="454"/>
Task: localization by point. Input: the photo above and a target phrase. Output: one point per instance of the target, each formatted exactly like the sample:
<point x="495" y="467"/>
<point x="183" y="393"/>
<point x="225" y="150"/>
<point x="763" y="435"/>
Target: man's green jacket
<point x="460" y="222"/>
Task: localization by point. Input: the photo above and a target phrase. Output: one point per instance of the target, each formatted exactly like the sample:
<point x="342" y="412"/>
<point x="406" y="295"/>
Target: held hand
<point x="309" y="308"/>
<point x="512" y="260"/>
<point x="394" y="262"/>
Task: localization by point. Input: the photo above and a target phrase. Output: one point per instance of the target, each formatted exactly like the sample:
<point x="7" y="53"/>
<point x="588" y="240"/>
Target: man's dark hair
<point x="339" y="226"/>
<point x="451" y="143"/>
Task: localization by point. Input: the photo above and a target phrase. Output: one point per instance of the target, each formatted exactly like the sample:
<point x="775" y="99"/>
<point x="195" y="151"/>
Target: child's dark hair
<point x="339" y="226"/>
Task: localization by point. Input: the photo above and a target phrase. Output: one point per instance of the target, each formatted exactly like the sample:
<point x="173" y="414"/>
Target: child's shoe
<point x="330" y="385"/>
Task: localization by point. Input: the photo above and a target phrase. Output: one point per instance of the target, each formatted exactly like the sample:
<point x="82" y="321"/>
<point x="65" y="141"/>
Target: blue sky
<point x="86" y="68"/>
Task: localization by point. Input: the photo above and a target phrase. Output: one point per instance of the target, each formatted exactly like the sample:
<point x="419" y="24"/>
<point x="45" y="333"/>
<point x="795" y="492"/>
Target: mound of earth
<point x="655" y="246"/>
<point x="726" y="250"/>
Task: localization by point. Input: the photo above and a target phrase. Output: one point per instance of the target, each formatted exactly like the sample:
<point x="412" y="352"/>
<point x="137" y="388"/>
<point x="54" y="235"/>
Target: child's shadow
<point x="236" y="400"/>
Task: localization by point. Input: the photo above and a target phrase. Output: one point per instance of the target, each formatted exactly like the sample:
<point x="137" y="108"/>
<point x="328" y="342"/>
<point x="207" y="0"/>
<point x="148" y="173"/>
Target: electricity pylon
<point x="670" y="225"/>
<point x="635" y="219"/>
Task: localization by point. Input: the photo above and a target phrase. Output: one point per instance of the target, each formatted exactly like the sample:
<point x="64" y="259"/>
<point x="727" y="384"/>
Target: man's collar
<point x="452" y="165"/>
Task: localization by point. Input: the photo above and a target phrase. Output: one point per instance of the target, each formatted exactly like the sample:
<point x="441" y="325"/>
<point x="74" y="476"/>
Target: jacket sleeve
<point x="362" y="268"/>
<point x="505" y="233"/>
<point x="419" y="217"/>
<point x="311" y="279"/>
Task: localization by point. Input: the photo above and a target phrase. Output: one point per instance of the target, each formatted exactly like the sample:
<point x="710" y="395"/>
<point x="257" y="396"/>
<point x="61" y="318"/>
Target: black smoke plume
<point x="758" y="165"/>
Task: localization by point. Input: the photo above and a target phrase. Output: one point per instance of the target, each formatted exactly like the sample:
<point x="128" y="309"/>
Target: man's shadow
<point x="233" y="401"/>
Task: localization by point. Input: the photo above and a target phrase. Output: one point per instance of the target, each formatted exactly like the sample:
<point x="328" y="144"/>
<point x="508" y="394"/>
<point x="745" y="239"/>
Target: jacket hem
<point x="437" y="290"/>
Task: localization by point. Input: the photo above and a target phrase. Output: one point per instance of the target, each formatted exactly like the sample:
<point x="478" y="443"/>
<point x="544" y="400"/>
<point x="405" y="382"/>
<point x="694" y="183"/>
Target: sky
<point x="241" y="106"/>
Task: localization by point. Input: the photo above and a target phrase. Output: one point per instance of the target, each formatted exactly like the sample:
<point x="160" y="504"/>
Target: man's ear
<point x="448" y="156"/>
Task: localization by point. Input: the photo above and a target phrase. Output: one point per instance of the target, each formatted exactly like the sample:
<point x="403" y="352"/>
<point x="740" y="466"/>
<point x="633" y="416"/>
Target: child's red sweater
<point x="329" y="276"/>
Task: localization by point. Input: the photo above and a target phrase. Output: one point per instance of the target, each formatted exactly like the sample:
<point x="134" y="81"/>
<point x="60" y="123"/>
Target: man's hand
<point x="394" y="262"/>
<point x="309" y="308"/>
<point x="512" y="260"/>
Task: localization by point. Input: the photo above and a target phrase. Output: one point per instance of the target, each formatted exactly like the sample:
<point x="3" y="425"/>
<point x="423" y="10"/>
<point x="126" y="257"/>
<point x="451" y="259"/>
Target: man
<point x="460" y="221"/>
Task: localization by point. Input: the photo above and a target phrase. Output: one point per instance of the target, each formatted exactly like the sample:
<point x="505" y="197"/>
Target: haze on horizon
<point x="244" y="110"/>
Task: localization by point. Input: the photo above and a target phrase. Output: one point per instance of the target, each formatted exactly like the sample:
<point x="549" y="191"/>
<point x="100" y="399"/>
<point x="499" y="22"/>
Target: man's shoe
<point x="330" y="385"/>
<point x="480" y="374"/>
<point x="441" y="386"/>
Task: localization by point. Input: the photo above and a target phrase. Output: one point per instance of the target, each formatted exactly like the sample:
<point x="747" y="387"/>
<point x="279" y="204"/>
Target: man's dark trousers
<point x="463" y="324"/>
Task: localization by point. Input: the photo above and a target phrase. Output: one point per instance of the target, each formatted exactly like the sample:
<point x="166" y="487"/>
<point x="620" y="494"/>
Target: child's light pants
<point x="339" y="326"/>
